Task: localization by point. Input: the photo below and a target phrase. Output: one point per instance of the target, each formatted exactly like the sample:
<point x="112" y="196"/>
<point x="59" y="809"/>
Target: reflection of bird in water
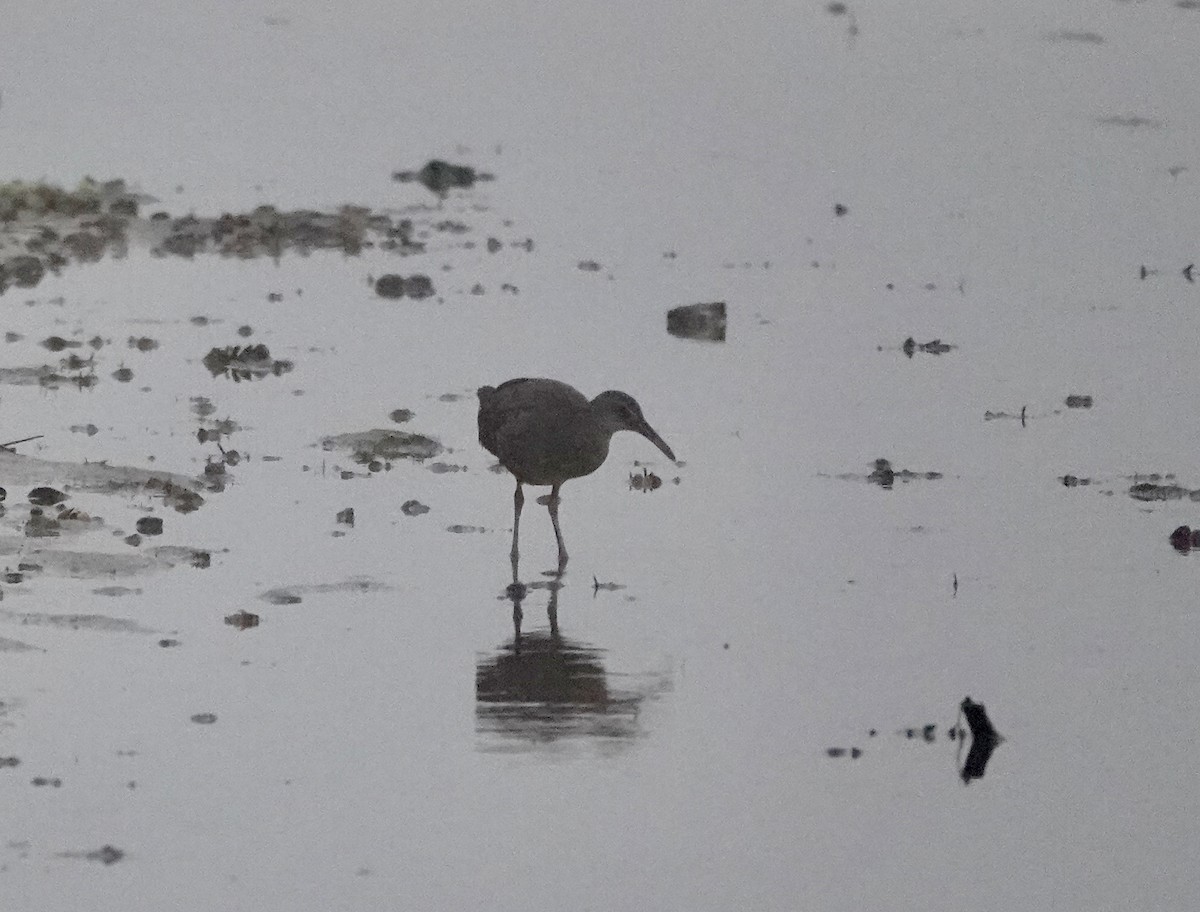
<point x="541" y="687"/>
<point x="546" y="433"/>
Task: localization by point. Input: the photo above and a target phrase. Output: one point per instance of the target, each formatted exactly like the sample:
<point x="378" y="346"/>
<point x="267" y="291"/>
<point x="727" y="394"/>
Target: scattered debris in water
<point x="42" y="781"/>
<point x="885" y="476"/>
<point x="698" y="321"/>
<point x="1185" y="539"/>
<point x="1074" y="481"/>
<point x="383" y="444"/>
<point x="1079" y="402"/>
<point x="397" y="286"/>
<point x="115" y="591"/>
<point x="852" y="752"/>
<point x="984" y="740"/>
<point x="346" y="517"/>
<point x="589" y="266"/>
<point x="58" y="343"/>
<point x="597" y="586"/>
<point x="142" y="343"/>
<point x="1150" y="491"/>
<point x="400" y="416"/>
<point x="440" y="177"/>
<point x="645" y="482"/>
<point x="293" y="595"/>
<point x="242" y="620"/>
<point x="97" y="623"/>
<point x="413" y="508"/>
<point x="204" y="718"/>
<point x="106" y="855"/>
<point x="461" y="530"/>
<point x="934" y="347"/>
<point x="245" y="362"/>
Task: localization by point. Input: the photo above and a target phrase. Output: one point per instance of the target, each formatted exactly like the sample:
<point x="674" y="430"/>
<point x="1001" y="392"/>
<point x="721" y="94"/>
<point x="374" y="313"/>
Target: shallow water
<point x="658" y="733"/>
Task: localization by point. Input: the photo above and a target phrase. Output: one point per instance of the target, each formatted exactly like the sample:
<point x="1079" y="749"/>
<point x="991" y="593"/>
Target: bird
<point x="546" y="432"/>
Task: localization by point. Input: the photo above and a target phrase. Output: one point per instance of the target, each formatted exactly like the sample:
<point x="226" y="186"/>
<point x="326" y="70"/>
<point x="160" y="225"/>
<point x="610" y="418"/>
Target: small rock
<point x="242" y="620"/>
<point x="698" y="321"/>
<point x="150" y="525"/>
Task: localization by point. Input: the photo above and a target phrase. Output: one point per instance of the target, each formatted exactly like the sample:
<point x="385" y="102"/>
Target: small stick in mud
<point x="13" y="443"/>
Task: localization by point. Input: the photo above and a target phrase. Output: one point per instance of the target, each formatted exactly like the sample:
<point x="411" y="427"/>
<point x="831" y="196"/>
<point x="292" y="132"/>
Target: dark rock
<point x="698" y="321"/>
<point x="150" y="525"/>
<point x="46" y="497"/>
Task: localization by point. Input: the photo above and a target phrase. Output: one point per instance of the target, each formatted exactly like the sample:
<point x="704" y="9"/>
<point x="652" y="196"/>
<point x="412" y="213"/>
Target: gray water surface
<point x="657" y="734"/>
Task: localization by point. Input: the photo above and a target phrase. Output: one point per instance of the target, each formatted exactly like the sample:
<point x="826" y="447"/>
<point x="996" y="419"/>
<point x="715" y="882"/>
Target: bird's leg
<point x="552" y="504"/>
<point x="518" y="503"/>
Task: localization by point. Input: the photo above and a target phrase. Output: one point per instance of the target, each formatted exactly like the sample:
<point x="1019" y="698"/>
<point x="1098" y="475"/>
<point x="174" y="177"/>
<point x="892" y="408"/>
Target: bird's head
<point x="620" y="412"/>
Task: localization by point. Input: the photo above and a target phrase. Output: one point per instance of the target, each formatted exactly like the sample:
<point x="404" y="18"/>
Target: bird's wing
<point x="522" y="402"/>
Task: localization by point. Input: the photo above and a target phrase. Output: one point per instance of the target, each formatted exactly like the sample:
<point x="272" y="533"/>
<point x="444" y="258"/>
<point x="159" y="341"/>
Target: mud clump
<point x="933" y="347"/>
<point x="698" y="321"/>
<point x="397" y="286"/>
<point x="380" y="444"/>
<point x="245" y="362"/>
<point x="1150" y="491"/>
<point x="150" y="525"/>
<point x="1185" y="539"/>
<point x="884" y="475"/>
<point x="441" y="177"/>
<point x="46" y="497"/>
<point x="242" y="620"/>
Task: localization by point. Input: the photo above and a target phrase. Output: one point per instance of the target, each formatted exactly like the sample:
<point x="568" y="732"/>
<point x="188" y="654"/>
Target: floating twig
<point x="13" y="443"/>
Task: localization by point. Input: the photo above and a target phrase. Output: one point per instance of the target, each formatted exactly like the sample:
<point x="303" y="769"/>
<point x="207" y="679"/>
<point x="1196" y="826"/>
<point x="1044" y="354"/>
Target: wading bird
<point x="546" y="432"/>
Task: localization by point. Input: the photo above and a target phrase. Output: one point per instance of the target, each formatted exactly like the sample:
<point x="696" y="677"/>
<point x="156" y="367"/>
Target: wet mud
<point x="295" y="594"/>
<point x="382" y="446"/>
<point x="884" y="475"/>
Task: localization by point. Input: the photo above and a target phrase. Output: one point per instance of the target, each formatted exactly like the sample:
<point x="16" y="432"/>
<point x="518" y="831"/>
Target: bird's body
<point x="546" y="432"/>
<point x="541" y="430"/>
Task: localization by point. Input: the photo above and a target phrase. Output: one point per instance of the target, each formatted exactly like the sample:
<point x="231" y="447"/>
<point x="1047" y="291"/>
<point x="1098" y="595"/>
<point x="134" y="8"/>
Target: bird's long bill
<point x="652" y="435"/>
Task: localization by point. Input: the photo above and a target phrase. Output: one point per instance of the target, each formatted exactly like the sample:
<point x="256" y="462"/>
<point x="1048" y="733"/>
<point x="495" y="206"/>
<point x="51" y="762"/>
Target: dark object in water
<point x="1074" y="481"/>
<point x="1079" y="402"/>
<point x="1185" y="538"/>
<point x="397" y="286"/>
<point x="698" y="321"/>
<point x="1150" y="491"/>
<point x="346" y="517"/>
<point x="984" y="740"/>
<point x="150" y="525"/>
<point x="242" y="620"/>
<point x="46" y="497"/>
<point x="244" y="362"/>
<point x="933" y="347"/>
<point x="441" y="176"/>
